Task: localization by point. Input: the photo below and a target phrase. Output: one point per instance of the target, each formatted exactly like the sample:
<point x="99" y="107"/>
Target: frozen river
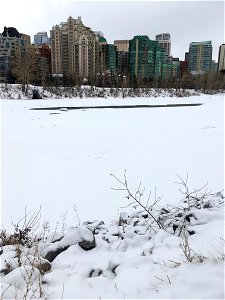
<point x="63" y="158"/>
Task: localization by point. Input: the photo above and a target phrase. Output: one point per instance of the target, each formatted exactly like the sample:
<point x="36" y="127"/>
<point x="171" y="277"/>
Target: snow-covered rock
<point x="22" y="276"/>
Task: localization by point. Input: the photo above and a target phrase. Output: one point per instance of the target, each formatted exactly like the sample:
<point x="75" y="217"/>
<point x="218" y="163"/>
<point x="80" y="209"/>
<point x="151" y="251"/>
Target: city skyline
<point x="185" y="21"/>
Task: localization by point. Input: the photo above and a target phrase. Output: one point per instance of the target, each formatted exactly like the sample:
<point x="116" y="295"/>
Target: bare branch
<point x="137" y="198"/>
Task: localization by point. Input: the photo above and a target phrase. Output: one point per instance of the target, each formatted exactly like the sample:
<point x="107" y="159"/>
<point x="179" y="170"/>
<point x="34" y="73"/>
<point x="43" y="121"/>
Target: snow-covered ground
<point x="126" y="260"/>
<point x="63" y="158"/>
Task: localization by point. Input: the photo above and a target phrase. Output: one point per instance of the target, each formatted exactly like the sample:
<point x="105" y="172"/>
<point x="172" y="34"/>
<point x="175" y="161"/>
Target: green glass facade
<point x="175" y="69"/>
<point x="170" y="70"/>
<point x="108" y="58"/>
<point x="111" y="57"/>
<point x="166" y="71"/>
<point x="145" y="58"/>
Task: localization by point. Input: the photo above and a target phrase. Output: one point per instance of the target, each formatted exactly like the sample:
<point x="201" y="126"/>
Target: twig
<point x="62" y="291"/>
<point x="137" y="198"/>
<point x="168" y="279"/>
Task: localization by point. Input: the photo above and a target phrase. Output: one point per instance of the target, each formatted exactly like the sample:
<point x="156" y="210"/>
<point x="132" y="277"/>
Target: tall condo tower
<point x="74" y="49"/>
<point x="164" y="42"/>
<point x="200" y="57"/>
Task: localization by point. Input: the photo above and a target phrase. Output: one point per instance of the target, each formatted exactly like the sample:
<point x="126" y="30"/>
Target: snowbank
<point x="13" y="91"/>
<point x="130" y="259"/>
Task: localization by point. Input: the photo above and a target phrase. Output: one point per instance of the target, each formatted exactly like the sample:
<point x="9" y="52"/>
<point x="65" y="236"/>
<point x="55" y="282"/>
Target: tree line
<point x="27" y="69"/>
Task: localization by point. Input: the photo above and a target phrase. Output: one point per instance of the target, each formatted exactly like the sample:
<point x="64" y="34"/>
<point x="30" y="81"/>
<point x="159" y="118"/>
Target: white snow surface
<point x="140" y="265"/>
<point x="61" y="159"/>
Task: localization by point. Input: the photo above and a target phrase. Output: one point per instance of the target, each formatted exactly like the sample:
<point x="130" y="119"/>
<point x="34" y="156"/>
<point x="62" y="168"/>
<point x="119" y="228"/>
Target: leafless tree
<point x="25" y="65"/>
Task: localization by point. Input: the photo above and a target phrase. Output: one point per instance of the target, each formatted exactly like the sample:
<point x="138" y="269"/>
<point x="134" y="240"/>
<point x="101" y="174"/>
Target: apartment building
<point x="145" y="58"/>
<point x="11" y="43"/>
<point x="122" y="45"/>
<point x="200" y="57"/>
<point x="123" y="56"/>
<point x="107" y="58"/>
<point x="41" y="38"/>
<point x="164" y="42"/>
<point x="44" y="58"/>
<point x="183" y="67"/>
<point x="221" y="60"/>
<point x="74" y="49"/>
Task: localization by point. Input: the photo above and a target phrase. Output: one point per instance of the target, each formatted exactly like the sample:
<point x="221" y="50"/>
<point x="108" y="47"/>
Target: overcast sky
<point x="186" y="21"/>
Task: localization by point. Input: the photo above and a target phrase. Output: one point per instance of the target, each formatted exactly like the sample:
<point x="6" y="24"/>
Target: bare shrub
<point x="138" y="202"/>
<point x="23" y="230"/>
<point x="194" y="198"/>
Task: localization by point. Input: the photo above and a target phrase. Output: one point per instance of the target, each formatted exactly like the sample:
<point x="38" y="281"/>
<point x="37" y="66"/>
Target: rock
<point x="191" y="232"/>
<point x="175" y="227"/>
<point x="145" y="215"/>
<point x="187" y="217"/>
<point x="5" y="267"/>
<point x="21" y="275"/>
<point x="87" y="245"/>
<point x="94" y="225"/>
<point x="51" y="255"/>
<point x="86" y="239"/>
<point x="123" y="218"/>
<point x="5" y="271"/>
<point x="207" y="205"/>
<point x="136" y="222"/>
<point x="164" y="211"/>
<point x="95" y="272"/>
<point x="81" y="235"/>
<point x="179" y="215"/>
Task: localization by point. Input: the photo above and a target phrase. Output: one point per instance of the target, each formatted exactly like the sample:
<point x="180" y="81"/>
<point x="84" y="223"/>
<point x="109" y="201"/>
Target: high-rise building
<point x="145" y="58"/>
<point x="44" y="55"/>
<point x="99" y="33"/>
<point x="200" y="57"/>
<point x="41" y="38"/>
<point x="102" y="40"/>
<point x="186" y="56"/>
<point x="111" y="57"/>
<point x="214" y="66"/>
<point x="107" y="58"/>
<point x="74" y="49"/>
<point x="175" y="69"/>
<point x="183" y="67"/>
<point x="221" y="60"/>
<point x="122" y="45"/>
<point x="107" y="67"/>
<point x="102" y="57"/>
<point x="171" y="68"/>
<point x="12" y="43"/>
<point x="123" y="62"/>
<point x="164" y="41"/>
<point x="26" y="37"/>
<point x="123" y="56"/>
<point x="6" y="63"/>
<point x="166" y="72"/>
